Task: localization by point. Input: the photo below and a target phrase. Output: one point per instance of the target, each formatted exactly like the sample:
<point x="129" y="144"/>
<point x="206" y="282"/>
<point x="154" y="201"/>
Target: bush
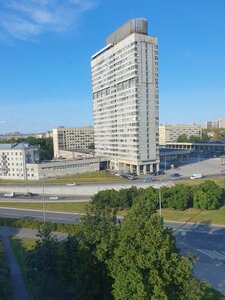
<point x="33" y="224"/>
<point x="208" y="195"/>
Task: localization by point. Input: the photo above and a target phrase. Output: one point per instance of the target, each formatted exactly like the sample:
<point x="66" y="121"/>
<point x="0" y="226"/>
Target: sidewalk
<point x="18" y="286"/>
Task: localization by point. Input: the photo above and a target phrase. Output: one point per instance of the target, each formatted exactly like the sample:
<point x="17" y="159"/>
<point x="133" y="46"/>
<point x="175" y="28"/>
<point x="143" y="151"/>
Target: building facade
<point x="14" y="159"/>
<point x="215" y="124"/>
<point x="71" y="138"/>
<point x="170" y="133"/>
<point x="62" y="168"/>
<point x="125" y="99"/>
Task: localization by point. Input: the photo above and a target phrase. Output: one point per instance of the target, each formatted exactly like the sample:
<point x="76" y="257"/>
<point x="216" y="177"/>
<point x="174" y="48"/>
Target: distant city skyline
<point x="45" y="50"/>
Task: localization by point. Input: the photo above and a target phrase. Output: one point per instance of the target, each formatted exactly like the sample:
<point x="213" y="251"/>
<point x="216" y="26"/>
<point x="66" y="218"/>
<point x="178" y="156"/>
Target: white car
<point x="71" y="184"/>
<point x="196" y="176"/>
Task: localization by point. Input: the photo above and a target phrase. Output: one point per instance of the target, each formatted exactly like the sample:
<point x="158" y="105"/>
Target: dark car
<point x="175" y="176"/>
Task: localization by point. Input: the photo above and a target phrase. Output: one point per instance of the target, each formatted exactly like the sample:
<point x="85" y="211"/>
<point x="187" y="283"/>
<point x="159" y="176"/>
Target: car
<point x="196" y="176"/>
<point x="28" y="194"/>
<point x="54" y="198"/>
<point x="148" y="179"/>
<point x="131" y="177"/>
<point x="9" y="195"/>
<point x="71" y="184"/>
<point x="175" y="176"/>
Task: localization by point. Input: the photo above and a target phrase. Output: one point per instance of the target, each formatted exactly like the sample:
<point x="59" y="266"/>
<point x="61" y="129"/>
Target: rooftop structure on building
<point x="125" y="98"/>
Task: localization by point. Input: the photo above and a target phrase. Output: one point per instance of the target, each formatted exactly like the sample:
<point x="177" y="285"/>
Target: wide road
<point x="205" y="241"/>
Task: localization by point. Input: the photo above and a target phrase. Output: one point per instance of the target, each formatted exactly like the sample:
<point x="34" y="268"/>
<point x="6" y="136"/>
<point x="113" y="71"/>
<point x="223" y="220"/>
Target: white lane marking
<point x="213" y="254"/>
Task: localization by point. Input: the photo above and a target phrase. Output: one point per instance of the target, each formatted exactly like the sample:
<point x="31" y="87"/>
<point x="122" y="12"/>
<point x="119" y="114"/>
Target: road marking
<point x="213" y="254"/>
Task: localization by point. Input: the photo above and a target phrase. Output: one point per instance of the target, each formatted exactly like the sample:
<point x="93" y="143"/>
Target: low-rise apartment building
<point x="14" y="159"/>
<point x="71" y="139"/>
<point x="170" y="133"/>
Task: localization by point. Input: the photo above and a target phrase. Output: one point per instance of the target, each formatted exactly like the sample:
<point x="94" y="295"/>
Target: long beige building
<point x="170" y="133"/>
<point x="125" y="99"/>
<point x="71" y="139"/>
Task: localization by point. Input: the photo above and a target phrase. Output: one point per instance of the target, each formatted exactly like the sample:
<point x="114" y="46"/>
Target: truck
<point x="196" y="176"/>
<point x="9" y="195"/>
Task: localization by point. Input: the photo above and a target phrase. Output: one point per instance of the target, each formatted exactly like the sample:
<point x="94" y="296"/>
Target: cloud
<point x="27" y="19"/>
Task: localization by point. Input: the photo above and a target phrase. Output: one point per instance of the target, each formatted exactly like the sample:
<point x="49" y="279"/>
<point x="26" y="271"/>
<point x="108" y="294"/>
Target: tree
<point x="82" y="274"/>
<point x="41" y="264"/>
<point x="146" y="263"/>
<point x="208" y="195"/>
<point x="91" y="146"/>
<point x="182" y="138"/>
<point x="178" y="197"/>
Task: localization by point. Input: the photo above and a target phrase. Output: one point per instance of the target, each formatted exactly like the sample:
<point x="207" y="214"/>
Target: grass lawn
<point x="218" y="180"/>
<point x="5" y="280"/>
<point x="74" y="207"/>
<point x="101" y="176"/>
<point x="195" y="215"/>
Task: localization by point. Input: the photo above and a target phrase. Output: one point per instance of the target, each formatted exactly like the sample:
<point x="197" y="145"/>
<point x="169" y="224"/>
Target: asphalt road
<point x="205" y="241"/>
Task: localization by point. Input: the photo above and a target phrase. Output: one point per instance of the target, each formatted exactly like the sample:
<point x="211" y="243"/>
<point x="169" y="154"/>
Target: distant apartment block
<point x="125" y="99"/>
<point x="170" y="133"/>
<point x="71" y="139"/>
<point x="215" y="124"/>
<point x="15" y="159"/>
<point x="18" y="135"/>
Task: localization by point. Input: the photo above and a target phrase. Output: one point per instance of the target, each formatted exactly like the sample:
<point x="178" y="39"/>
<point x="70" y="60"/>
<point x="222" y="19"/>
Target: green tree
<point x="91" y="146"/>
<point x="182" y="138"/>
<point x="147" y="264"/>
<point x="180" y="197"/>
<point x="208" y="195"/>
<point x="41" y="264"/>
<point x="83" y="276"/>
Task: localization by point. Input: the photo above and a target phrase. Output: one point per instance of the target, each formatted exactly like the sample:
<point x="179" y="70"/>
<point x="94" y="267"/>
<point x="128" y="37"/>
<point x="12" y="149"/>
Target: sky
<point x="46" y="45"/>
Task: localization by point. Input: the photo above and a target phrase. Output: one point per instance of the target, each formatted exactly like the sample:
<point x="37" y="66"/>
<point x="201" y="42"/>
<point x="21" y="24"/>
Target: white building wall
<point x="125" y="101"/>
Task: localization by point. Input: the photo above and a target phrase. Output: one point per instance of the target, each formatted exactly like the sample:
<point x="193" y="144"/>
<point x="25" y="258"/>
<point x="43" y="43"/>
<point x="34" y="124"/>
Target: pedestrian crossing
<point x="214" y="254"/>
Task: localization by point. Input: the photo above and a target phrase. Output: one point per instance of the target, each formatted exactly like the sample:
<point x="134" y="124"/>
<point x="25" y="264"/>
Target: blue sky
<point x="45" y="49"/>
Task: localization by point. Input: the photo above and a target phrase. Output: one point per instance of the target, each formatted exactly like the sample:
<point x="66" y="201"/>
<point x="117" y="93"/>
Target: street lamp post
<point x="160" y="200"/>
<point x="43" y="202"/>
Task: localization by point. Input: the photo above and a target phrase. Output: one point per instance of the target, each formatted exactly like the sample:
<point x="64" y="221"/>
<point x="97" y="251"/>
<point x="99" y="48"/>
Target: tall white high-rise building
<point x="125" y="99"/>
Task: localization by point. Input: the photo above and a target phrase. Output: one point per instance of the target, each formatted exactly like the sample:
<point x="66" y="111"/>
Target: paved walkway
<point x="18" y="286"/>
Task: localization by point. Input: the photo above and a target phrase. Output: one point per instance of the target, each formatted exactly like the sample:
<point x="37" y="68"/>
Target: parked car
<point x="148" y="179"/>
<point x="71" y="184"/>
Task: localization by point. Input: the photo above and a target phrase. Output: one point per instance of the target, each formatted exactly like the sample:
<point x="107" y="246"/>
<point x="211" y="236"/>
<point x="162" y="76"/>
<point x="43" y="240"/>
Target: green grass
<point x="5" y="280"/>
<point x="218" y="180"/>
<point x="195" y="215"/>
<point x="74" y="207"/>
<point x="101" y="176"/>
